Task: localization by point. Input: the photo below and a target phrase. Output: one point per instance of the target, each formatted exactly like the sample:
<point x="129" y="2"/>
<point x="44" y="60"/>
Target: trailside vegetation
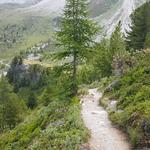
<point x="128" y="84"/>
<point x="132" y="113"/>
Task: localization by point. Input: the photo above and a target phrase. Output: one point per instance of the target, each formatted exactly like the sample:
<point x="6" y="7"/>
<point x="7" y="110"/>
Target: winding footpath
<point x="103" y="135"/>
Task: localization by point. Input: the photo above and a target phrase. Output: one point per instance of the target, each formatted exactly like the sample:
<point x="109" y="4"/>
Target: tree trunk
<point x="74" y="79"/>
<point x="74" y="84"/>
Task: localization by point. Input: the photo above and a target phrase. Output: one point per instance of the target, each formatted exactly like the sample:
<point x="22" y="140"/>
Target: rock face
<point x="120" y="11"/>
<point x="115" y="84"/>
<point x="99" y="10"/>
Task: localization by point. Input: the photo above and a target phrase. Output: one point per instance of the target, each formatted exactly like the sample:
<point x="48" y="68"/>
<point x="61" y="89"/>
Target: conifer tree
<point x="32" y="102"/>
<point x="117" y="50"/>
<point x="75" y="36"/>
<point x="117" y="43"/>
<point x="102" y="59"/>
<point x="147" y="41"/>
<point x="10" y="106"/>
<point x="140" y="27"/>
<point x="5" y="90"/>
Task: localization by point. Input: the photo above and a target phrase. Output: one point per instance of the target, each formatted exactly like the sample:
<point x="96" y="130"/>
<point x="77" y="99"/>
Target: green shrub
<point x="134" y="136"/>
<point x="133" y="107"/>
<point x="56" y="126"/>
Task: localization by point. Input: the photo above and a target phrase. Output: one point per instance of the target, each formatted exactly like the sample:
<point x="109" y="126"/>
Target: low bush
<point x="56" y="126"/>
<point x="133" y="106"/>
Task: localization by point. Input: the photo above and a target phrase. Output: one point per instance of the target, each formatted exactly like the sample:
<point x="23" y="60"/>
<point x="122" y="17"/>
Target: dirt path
<point x="103" y="135"/>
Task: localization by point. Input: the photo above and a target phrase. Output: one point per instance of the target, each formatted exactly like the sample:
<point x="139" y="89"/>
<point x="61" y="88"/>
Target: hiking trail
<point x="103" y="135"/>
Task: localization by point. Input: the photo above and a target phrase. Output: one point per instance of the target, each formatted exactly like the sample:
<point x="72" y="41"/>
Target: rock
<point x="119" y="111"/>
<point x="84" y="147"/>
<point x="113" y="85"/>
<point x="57" y="123"/>
<point x="113" y="105"/>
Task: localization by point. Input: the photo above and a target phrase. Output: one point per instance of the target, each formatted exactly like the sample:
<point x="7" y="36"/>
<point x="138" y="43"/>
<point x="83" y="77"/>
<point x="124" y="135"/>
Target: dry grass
<point x="36" y="62"/>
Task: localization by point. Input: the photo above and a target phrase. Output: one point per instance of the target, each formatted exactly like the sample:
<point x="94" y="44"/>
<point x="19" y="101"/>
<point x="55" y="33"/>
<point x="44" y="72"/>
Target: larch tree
<point x="117" y="50"/>
<point x="117" y="43"/>
<point x="75" y="36"/>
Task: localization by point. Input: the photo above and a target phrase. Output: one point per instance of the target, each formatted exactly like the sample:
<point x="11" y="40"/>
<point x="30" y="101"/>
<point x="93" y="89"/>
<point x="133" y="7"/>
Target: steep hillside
<point x="56" y="126"/>
<point x="98" y="7"/>
<point x="132" y="112"/>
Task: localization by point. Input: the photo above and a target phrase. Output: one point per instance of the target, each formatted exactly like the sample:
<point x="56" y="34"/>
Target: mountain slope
<point x="120" y="11"/>
<point x="36" y="15"/>
<point x="107" y="12"/>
